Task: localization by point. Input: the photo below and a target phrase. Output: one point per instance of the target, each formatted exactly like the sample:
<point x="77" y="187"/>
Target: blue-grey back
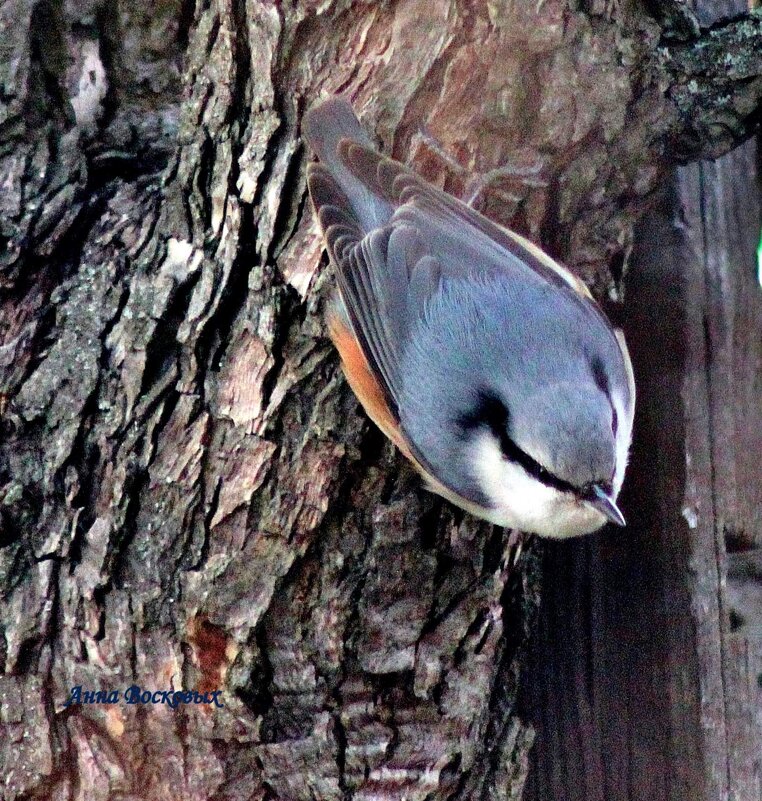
<point x="447" y="307"/>
<point x="519" y="338"/>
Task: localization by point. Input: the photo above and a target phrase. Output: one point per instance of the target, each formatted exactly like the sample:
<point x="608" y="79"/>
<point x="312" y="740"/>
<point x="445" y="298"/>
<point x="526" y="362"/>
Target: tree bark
<point x="190" y="498"/>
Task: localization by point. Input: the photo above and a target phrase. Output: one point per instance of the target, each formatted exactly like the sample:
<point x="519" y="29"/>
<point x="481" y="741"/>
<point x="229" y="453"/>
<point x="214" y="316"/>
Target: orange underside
<point x="364" y="383"/>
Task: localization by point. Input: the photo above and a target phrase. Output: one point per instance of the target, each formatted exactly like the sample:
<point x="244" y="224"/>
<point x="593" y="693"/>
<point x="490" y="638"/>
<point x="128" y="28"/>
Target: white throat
<point x="518" y="500"/>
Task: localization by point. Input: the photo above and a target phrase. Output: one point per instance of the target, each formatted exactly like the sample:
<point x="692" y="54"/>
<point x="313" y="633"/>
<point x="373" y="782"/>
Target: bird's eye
<point x="488" y="411"/>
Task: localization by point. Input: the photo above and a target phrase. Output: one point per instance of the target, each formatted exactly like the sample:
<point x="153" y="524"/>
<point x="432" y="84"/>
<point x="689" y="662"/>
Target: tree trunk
<point x="190" y="497"/>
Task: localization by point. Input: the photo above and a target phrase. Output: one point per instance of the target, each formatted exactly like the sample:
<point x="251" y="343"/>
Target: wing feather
<point x="420" y="237"/>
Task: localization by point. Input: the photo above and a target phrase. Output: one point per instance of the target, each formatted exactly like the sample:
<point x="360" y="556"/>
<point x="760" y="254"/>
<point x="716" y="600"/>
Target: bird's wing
<point x="387" y="274"/>
<point x="395" y="183"/>
<point x="376" y="273"/>
<point x="472" y="242"/>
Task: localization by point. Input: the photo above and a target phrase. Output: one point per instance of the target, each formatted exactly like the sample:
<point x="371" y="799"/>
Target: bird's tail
<point x="324" y="127"/>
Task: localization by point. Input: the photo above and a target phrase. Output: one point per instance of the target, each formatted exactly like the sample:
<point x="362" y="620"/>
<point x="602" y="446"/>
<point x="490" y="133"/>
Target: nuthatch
<point x="487" y="363"/>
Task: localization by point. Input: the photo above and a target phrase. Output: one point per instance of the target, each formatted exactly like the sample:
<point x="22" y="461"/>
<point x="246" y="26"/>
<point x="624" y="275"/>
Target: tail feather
<point x="324" y="128"/>
<point x="326" y="124"/>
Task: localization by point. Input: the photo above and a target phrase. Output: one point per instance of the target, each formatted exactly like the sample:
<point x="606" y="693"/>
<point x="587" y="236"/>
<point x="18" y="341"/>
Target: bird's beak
<point x="605" y="505"/>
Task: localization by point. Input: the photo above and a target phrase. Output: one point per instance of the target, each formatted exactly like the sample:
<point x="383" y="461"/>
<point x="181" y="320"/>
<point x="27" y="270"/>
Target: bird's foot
<point x="476" y="185"/>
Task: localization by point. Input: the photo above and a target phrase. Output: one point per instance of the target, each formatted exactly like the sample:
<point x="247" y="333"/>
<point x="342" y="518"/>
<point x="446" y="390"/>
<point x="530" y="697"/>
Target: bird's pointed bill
<point x="606" y="506"/>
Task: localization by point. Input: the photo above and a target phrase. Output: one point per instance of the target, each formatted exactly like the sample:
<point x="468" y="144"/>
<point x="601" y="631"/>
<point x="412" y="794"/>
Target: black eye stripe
<point x="490" y="411"/>
<point x="602" y="382"/>
<point x="599" y="376"/>
<point x="512" y="452"/>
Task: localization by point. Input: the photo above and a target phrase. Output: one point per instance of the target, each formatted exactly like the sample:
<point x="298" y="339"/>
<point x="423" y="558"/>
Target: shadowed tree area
<point x="191" y="498"/>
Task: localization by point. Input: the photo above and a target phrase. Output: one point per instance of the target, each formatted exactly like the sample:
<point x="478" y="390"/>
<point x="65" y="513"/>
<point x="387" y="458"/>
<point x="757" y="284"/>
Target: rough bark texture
<point x="189" y="495"/>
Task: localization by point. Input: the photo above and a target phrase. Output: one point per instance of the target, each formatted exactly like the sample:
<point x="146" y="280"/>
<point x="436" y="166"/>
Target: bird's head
<point x="546" y="462"/>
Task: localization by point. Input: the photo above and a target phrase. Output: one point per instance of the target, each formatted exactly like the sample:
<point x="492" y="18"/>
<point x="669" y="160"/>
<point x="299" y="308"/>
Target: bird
<point x="487" y="363"/>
